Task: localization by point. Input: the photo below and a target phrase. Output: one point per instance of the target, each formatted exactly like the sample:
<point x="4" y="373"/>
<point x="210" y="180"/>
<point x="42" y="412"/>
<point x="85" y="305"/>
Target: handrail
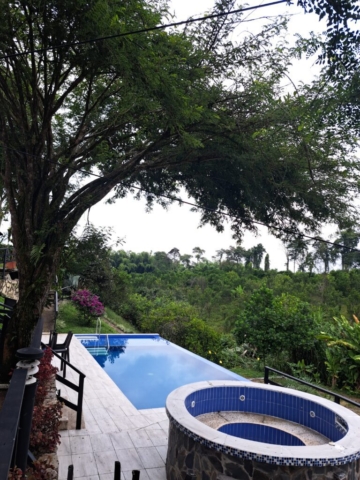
<point x="78" y="388"/>
<point x="9" y="419"/>
<point x="98" y="326"/>
<point x="56" y="296"/>
<point x="17" y="411"/>
<point x="336" y="396"/>
<point x="37" y="334"/>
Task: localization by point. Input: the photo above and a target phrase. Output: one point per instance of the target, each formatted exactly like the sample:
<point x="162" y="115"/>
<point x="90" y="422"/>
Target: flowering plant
<point x="88" y="304"/>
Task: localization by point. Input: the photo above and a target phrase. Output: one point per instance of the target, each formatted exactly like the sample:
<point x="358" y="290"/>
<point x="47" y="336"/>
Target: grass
<point x="248" y="372"/>
<point x="70" y="320"/>
<point x="113" y="317"/>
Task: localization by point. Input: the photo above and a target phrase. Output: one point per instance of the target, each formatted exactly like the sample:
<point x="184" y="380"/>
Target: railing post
<point x="266" y="375"/>
<point x="80" y="402"/>
<point x="70" y="474"/>
<point x="117" y="472"/>
<point x="135" y="474"/>
<point x="337" y="399"/>
<point x="29" y="359"/>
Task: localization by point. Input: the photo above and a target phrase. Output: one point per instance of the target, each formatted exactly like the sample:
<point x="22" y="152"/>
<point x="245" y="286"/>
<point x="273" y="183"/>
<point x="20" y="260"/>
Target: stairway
<point x="97" y="350"/>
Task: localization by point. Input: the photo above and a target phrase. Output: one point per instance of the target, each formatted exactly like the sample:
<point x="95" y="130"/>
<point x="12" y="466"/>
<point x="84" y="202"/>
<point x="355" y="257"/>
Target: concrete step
<point x="64" y="420"/>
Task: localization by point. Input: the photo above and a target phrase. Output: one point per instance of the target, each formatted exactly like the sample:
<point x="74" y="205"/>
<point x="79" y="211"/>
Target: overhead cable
<point x="143" y="30"/>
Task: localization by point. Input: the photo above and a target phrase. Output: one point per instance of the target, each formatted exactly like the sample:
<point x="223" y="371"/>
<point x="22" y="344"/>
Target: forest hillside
<point x="234" y="309"/>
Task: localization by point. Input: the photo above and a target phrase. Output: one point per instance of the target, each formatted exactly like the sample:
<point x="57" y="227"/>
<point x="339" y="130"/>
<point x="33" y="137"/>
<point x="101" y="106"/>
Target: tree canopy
<point x="155" y="111"/>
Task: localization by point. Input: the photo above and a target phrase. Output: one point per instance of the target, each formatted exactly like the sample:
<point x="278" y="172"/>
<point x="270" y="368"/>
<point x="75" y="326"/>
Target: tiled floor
<point x="114" y="429"/>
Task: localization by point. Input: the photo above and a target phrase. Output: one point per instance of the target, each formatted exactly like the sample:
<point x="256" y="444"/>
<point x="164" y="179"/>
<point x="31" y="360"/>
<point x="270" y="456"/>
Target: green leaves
<point x="276" y="324"/>
<point x="36" y="253"/>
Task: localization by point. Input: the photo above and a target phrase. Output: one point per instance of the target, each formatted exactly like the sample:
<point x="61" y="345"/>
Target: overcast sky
<point x="162" y="230"/>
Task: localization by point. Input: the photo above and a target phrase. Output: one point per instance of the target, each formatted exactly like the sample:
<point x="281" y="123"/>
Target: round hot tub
<point x="243" y="430"/>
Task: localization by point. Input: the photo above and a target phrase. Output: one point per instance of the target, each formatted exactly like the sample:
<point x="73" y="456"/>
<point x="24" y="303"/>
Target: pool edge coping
<point x="333" y="453"/>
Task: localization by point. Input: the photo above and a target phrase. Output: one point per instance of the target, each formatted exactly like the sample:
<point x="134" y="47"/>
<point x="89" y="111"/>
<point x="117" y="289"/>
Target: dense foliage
<point x="155" y="112"/>
<point x="276" y="325"/>
<point x="236" y="315"/>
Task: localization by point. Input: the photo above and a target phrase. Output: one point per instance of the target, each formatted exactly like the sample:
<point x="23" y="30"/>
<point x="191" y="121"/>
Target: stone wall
<point x="187" y="459"/>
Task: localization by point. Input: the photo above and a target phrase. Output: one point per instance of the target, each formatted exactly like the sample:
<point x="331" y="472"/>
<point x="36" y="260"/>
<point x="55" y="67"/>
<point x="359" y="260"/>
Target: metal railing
<point x="337" y="397"/>
<point x="117" y="472"/>
<point x="78" y="407"/>
<point x="17" y="410"/>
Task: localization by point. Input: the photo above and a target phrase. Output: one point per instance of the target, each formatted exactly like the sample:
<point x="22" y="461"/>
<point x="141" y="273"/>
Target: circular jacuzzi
<point x="243" y="430"/>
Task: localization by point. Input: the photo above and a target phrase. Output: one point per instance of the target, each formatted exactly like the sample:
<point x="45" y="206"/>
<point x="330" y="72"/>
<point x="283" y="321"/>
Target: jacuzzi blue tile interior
<point x="261" y="433"/>
<point x="261" y="401"/>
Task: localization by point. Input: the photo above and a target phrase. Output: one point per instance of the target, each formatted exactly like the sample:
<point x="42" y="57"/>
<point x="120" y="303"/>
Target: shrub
<point x="88" y="304"/>
<point x="44" y="435"/>
<point x="44" y="376"/>
<point x="41" y="470"/>
<point x="276" y="324"/>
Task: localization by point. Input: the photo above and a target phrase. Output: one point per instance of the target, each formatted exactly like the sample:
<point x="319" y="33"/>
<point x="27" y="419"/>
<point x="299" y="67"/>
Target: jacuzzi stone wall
<point x="202" y="453"/>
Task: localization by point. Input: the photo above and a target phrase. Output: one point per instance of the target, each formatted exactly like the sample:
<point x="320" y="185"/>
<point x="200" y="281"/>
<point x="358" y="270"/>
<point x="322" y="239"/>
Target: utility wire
<point x="194" y="205"/>
<point x="144" y="30"/>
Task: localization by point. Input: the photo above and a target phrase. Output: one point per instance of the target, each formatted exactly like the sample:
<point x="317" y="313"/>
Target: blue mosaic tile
<point x="271" y="403"/>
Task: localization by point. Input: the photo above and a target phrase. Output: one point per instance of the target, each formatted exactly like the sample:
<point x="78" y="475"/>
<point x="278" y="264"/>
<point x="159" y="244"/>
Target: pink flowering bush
<point x="88" y="304"/>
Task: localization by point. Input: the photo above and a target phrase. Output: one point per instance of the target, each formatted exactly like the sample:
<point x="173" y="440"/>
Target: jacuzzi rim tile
<point x="320" y="455"/>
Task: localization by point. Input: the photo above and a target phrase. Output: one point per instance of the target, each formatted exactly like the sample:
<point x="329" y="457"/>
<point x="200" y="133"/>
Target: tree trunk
<point x="34" y="285"/>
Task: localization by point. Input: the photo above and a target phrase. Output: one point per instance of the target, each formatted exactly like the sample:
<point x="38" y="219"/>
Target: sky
<point x="162" y="230"/>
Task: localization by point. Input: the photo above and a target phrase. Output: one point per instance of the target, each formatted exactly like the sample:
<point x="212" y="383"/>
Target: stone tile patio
<point x="114" y="428"/>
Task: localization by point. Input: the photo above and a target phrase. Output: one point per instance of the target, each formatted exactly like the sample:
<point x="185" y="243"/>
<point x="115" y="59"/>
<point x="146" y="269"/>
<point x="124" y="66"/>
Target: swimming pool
<point x="147" y="368"/>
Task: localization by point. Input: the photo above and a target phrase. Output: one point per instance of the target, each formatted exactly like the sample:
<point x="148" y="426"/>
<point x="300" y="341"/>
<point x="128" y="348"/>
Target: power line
<point x="194" y="205"/>
<point x="144" y="30"/>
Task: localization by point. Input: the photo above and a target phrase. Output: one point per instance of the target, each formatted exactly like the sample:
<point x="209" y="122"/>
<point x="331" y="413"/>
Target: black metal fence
<point x="16" y="413"/>
<point x="117" y="472"/>
<point x="77" y="388"/>
<point x="337" y="397"/>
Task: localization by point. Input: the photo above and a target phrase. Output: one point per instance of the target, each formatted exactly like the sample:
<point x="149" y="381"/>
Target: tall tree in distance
<point x="174" y="254"/>
<point x="296" y="251"/>
<point x="186" y="260"/>
<point x="267" y="263"/>
<point x="255" y="255"/>
<point x="198" y="253"/>
<point x="325" y="253"/>
<point x="349" y="239"/>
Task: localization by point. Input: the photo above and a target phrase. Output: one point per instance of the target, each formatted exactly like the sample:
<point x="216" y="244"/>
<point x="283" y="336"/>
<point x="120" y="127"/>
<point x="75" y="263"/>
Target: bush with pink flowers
<point x="88" y="304"/>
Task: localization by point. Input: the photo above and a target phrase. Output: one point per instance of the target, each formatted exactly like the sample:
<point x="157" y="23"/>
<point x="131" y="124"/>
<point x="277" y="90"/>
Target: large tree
<point x="156" y="111"/>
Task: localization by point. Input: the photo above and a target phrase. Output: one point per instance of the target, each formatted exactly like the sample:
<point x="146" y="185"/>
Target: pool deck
<point x="114" y="428"/>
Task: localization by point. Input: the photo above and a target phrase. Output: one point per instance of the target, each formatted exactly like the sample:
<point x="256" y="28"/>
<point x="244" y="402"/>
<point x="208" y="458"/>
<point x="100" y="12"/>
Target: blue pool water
<point x="147" y="368"/>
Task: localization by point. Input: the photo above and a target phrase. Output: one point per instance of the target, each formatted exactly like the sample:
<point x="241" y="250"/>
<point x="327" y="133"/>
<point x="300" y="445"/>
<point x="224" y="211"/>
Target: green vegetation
<point x="70" y="319"/>
<point x="120" y="322"/>
<point x="247" y="316"/>
<point x="231" y="313"/>
<point x="248" y="372"/>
